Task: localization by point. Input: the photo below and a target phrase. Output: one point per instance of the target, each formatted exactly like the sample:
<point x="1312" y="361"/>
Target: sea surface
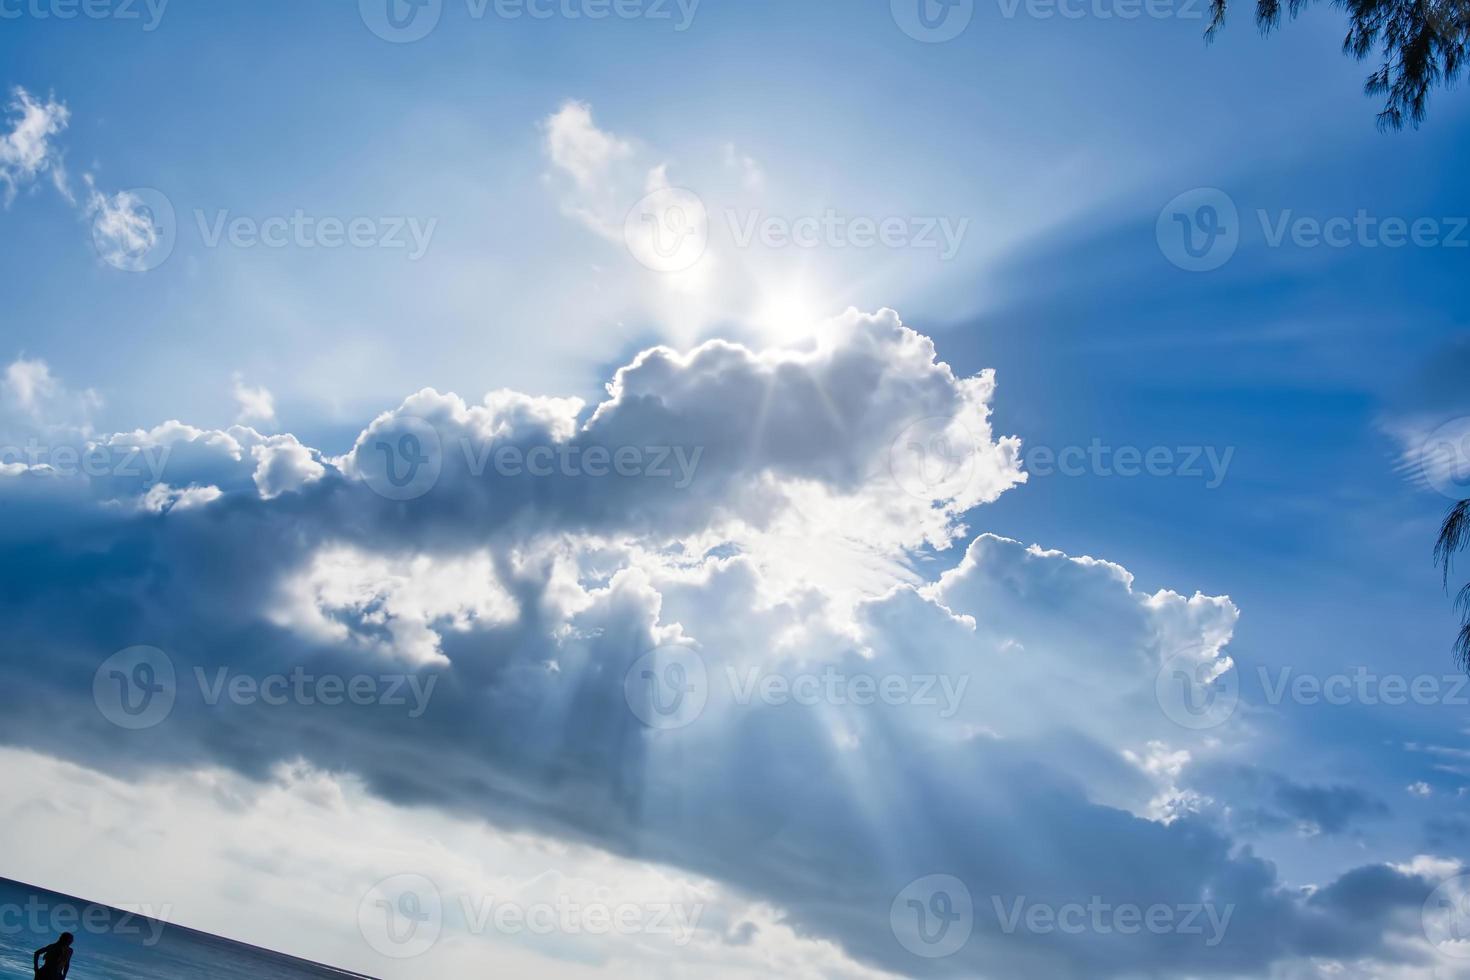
<point x="113" y="945"/>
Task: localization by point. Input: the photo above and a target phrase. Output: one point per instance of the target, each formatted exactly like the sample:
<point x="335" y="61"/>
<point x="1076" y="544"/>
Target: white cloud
<point x="400" y="607"/>
<point x="1046" y="768"/>
<point x="28" y="149"/>
<point x="257" y="404"/>
<point x="608" y="174"/>
<point x="162" y="498"/>
<point x="124" y="229"/>
<point x="284" y="465"/>
<point x="579" y="148"/>
<point x="339" y="841"/>
<point x="33" y="399"/>
<point x="29" y="382"/>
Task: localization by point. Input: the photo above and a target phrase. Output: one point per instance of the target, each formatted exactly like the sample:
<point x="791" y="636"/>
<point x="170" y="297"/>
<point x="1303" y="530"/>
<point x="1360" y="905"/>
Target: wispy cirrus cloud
<point x="28" y="150"/>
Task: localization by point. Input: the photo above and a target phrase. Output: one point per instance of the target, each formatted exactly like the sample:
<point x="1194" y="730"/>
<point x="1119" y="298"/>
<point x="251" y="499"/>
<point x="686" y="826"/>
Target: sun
<point x="791" y="312"/>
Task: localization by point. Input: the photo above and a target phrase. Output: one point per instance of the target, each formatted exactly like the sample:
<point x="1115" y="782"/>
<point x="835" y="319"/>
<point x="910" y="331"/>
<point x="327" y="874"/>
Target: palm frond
<point x="1454" y="534"/>
<point x="1462" y="601"/>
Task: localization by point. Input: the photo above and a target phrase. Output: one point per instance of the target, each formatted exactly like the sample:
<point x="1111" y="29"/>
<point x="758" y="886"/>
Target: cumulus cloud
<point x="516" y="561"/>
<point x="284" y="465"/>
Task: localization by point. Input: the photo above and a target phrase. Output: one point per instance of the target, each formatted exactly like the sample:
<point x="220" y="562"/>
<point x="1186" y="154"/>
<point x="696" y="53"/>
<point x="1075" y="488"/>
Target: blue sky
<point x="1052" y="149"/>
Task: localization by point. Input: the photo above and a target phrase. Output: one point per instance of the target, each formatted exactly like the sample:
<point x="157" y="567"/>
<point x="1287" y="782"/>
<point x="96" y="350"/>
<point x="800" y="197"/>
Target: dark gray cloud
<point x="1269" y="801"/>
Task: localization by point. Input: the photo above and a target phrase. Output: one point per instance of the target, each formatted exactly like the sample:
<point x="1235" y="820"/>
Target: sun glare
<point x="791" y="312"/>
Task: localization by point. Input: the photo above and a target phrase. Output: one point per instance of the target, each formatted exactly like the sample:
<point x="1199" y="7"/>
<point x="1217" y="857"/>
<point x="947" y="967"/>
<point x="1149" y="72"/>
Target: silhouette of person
<point x="58" y="959"/>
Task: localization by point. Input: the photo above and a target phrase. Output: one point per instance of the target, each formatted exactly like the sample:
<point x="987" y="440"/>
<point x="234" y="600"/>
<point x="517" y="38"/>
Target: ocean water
<point x="113" y="945"/>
